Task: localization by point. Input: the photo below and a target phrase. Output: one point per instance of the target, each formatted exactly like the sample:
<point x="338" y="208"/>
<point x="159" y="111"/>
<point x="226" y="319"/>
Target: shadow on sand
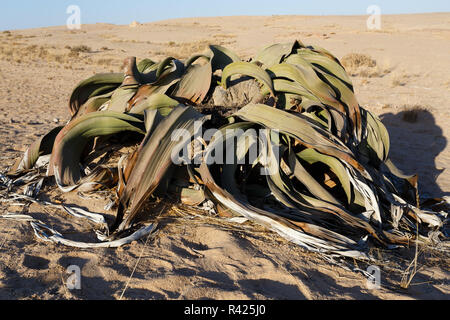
<point x="415" y="144"/>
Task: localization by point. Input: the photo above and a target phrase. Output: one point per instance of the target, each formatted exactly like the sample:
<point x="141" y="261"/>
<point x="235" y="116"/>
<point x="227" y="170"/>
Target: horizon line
<point x="230" y="16"/>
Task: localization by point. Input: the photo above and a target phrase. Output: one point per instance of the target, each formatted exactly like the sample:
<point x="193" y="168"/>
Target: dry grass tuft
<point x="80" y="49"/>
<point x="411" y="113"/>
<point x="399" y="79"/>
<point x="108" y="62"/>
<point x="222" y="36"/>
<point x="357" y="60"/>
<point x="411" y="271"/>
<point x="21" y="52"/>
<point x="398" y="82"/>
<point x="363" y="65"/>
<point x="17" y="52"/>
<point x="183" y="50"/>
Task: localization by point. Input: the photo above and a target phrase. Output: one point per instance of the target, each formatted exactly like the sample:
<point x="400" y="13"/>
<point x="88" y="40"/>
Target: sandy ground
<point x="203" y="258"/>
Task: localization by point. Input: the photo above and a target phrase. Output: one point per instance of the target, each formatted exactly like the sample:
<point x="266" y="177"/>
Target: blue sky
<point x="21" y="14"/>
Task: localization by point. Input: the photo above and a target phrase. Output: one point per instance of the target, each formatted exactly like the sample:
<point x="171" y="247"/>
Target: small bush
<point x="411" y="113"/>
<point x="81" y="49"/>
<point x="358" y="60"/>
<point x="363" y="65"/>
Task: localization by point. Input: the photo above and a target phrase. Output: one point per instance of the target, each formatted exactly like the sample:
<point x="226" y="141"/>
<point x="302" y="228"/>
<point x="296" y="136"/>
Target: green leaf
<point x="194" y="58"/>
<point x="164" y="66"/>
<point x="311" y="156"/>
<point x="158" y="73"/>
<point x="282" y="85"/>
<point x="303" y="74"/>
<point x="247" y="69"/>
<point x="71" y="141"/>
<point x="94" y="86"/>
<point x="121" y="97"/>
<point x="326" y="64"/>
<point x="41" y="147"/>
<point x="308" y="181"/>
<point x="162" y="102"/>
<point x="93" y="104"/>
<point x="145" y="65"/>
<point x="195" y="84"/>
<point x="276" y="53"/>
<point x="222" y="57"/>
<point x="302" y="129"/>
<point x="347" y="98"/>
<point x="154" y="161"/>
<point x="381" y="135"/>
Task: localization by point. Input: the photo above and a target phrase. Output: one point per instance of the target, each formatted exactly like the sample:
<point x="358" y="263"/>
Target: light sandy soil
<point x="203" y="258"/>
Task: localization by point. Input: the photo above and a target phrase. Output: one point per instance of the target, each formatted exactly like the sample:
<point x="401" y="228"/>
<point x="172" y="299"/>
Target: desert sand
<point x="196" y="257"/>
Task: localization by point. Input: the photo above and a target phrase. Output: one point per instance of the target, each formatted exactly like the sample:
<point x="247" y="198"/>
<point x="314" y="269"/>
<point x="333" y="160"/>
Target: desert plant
<point x="322" y="179"/>
<point x="363" y="65"/>
<point x="81" y="48"/>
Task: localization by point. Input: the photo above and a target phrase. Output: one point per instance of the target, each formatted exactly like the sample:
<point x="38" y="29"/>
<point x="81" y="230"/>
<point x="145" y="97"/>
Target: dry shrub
<point x="401" y="78"/>
<point x="6" y="52"/>
<point x="80" y="49"/>
<point x="41" y="51"/>
<point x="357" y="60"/>
<point x="107" y="62"/>
<point x="411" y="113"/>
<point x="73" y="54"/>
<point x="363" y="65"/>
<point x="398" y="82"/>
<point x="59" y="58"/>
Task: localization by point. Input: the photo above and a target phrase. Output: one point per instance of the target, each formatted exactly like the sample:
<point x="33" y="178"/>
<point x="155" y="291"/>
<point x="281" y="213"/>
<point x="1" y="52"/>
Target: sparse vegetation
<point x="399" y="79"/>
<point x="358" y="60"/>
<point x="107" y="62"/>
<point x="224" y="36"/>
<point x="183" y="50"/>
<point x="21" y="52"/>
<point x="411" y="113"/>
<point x="397" y="82"/>
<point x="81" y="49"/>
<point x="363" y="65"/>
